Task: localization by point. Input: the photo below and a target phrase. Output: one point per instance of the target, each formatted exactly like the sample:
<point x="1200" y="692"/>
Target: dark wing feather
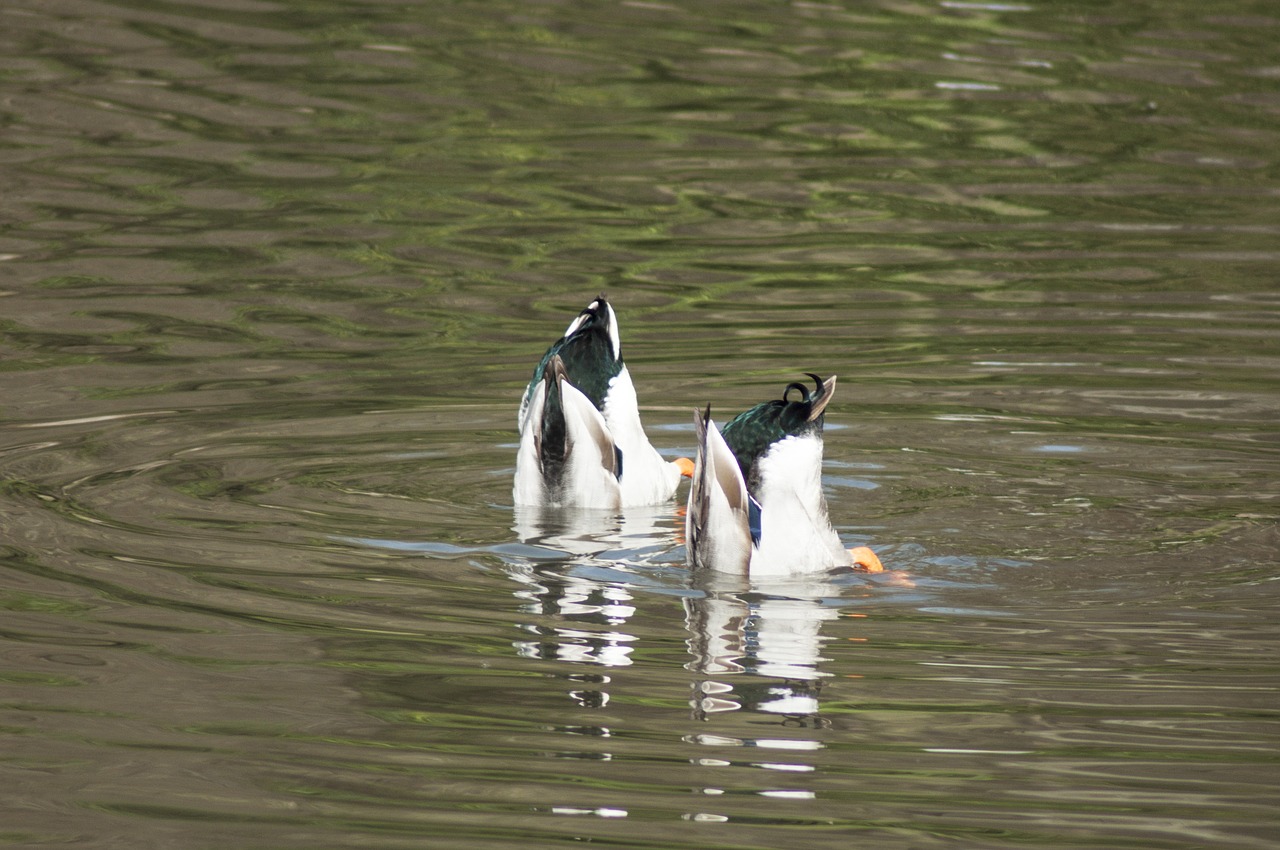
<point x="587" y="354"/>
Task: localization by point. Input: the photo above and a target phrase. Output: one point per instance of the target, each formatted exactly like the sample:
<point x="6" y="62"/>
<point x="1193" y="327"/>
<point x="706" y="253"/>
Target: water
<point x="274" y="276"/>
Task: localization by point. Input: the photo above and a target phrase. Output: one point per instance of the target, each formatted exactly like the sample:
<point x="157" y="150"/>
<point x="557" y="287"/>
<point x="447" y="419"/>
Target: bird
<point x="755" y="504"/>
<point x="581" y="440"/>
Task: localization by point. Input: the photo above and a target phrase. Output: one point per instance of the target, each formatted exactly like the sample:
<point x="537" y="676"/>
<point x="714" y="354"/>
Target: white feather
<point x="529" y="488"/>
<point x="588" y="477"/>
<point x="646" y="477"/>
<point x="717" y="520"/>
<point x="795" y="530"/>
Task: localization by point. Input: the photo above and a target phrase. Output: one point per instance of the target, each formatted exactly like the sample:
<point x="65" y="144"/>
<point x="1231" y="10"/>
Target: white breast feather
<point x="795" y="531"/>
<point x="646" y="477"/>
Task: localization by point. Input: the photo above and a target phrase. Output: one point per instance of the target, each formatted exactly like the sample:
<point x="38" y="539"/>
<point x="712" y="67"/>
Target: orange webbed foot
<point x="865" y="559"/>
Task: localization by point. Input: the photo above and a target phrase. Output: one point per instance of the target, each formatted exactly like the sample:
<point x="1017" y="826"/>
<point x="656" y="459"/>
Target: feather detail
<point x="771" y="507"/>
<point x="718" y="522"/>
<point x="587" y="360"/>
<point x="567" y="454"/>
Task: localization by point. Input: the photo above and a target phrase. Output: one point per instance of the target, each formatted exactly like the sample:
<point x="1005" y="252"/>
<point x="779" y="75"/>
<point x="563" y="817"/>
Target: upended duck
<point x="581" y="441"/>
<point x="756" y="505"/>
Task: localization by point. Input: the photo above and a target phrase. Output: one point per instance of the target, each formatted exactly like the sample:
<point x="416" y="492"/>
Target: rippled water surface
<point x="272" y="278"/>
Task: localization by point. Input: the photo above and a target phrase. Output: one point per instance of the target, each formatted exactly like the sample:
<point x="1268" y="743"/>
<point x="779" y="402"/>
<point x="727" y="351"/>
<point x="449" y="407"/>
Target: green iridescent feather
<point x="750" y="434"/>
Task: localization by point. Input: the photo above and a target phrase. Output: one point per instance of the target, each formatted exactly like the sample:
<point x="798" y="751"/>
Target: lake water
<point x="273" y="276"/>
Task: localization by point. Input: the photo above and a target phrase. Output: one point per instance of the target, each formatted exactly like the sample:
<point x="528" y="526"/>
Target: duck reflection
<point x="579" y="614"/>
<point x="589" y="613"/>
<point x="757" y="646"/>
<point x="769" y="630"/>
<point x="581" y="533"/>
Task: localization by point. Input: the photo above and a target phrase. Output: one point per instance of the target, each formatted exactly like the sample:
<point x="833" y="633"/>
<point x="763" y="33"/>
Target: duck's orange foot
<point x="866" y="559"/>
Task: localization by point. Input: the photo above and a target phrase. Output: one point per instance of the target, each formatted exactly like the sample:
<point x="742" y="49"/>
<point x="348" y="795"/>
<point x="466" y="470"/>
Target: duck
<point x="581" y="440"/>
<point x="755" y="505"/>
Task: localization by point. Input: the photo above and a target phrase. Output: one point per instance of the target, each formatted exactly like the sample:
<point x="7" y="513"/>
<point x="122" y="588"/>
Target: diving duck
<point x="756" y="505"/>
<point x="581" y="441"/>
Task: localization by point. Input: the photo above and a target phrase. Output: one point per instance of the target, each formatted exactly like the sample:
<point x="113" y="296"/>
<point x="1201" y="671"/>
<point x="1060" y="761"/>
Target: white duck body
<point x="587" y="467"/>
<point x="781" y="444"/>
<point x="591" y="367"/>
<point x="795" y="530"/>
